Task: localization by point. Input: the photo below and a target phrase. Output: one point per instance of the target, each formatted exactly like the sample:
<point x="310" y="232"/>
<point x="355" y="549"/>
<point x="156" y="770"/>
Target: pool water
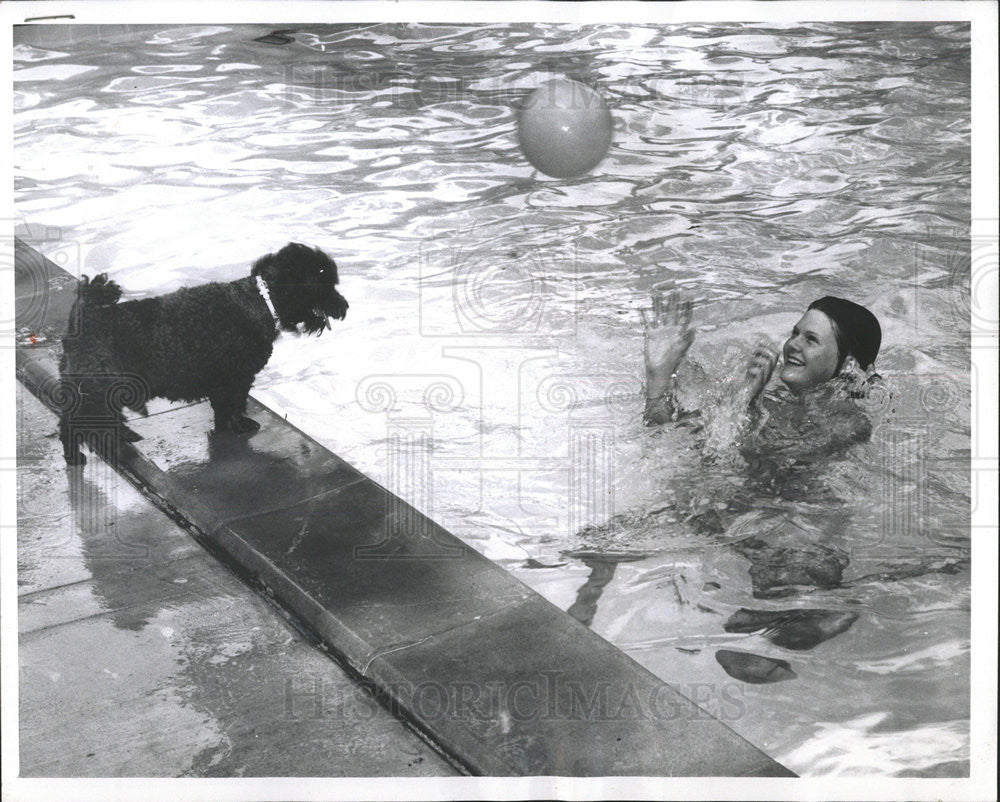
<point x="489" y="369"/>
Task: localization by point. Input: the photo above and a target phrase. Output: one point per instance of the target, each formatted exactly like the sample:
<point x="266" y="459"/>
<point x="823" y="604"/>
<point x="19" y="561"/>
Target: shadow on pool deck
<point x="141" y="655"/>
<point x="499" y="679"/>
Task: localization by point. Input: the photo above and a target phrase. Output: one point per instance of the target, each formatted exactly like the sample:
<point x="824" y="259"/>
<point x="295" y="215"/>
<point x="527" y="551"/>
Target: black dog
<point x="199" y="342"/>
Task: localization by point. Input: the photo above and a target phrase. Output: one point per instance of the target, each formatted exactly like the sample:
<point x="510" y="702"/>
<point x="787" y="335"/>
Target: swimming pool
<point x="489" y="369"/>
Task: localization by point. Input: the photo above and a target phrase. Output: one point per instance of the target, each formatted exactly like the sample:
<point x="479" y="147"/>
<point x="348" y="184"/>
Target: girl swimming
<point x="828" y="358"/>
<point x="790" y="435"/>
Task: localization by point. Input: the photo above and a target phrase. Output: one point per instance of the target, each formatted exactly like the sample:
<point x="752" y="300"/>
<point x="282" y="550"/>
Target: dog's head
<point x="302" y="283"/>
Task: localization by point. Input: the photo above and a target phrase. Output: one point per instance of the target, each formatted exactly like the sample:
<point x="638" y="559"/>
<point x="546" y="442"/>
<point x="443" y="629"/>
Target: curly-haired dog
<point x="199" y="342"/>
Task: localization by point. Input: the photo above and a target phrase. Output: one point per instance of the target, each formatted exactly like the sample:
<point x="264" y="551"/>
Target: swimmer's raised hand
<point x="759" y="370"/>
<point x="667" y="334"/>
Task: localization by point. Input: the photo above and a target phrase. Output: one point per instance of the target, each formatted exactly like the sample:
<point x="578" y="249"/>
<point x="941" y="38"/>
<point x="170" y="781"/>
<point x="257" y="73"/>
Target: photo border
<point x="981" y="785"/>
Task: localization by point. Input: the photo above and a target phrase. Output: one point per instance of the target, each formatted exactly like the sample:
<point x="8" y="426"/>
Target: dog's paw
<point x="241" y="424"/>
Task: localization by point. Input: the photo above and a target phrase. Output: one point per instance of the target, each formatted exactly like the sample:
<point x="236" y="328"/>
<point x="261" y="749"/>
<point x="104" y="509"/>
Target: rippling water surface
<point x="490" y="366"/>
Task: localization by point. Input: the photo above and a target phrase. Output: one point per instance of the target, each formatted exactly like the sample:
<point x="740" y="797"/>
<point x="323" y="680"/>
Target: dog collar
<point x="262" y="287"/>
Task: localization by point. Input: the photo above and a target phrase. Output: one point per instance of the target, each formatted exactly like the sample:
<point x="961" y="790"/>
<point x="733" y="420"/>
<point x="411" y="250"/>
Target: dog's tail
<point x="92" y="295"/>
<point x="98" y="291"/>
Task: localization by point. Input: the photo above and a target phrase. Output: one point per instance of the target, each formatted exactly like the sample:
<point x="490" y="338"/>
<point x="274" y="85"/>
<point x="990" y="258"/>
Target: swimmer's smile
<point x="810" y="353"/>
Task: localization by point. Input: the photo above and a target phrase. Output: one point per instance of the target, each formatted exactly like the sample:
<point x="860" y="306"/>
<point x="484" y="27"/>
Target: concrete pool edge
<point x="425" y="614"/>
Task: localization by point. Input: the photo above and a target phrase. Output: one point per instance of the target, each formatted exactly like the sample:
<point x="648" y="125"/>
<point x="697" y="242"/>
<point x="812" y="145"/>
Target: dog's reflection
<point x="134" y="569"/>
<point x="241" y="477"/>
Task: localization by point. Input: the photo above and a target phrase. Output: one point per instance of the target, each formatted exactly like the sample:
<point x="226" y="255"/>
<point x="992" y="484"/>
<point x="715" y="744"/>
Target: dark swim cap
<point x="857" y="330"/>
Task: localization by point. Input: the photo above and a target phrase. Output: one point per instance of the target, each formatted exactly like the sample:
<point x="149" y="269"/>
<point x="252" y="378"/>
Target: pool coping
<point x="502" y="681"/>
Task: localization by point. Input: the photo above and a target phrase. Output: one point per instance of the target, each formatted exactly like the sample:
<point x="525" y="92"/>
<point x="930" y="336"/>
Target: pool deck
<point x="141" y="655"/>
<point x="499" y="680"/>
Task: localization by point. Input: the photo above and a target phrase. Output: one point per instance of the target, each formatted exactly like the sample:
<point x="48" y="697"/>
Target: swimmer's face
<point x="810" y="354"/>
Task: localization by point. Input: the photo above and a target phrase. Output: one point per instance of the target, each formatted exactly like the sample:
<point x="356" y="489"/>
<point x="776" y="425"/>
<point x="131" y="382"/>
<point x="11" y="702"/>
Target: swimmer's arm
<point x="660" y="404"/>
<point x="758" y="374"/>
<point x="667" y="336"/>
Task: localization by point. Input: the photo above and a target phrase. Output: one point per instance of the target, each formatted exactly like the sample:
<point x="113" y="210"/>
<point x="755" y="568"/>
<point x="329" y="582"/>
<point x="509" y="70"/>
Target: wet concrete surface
<point x="141" y="655"/>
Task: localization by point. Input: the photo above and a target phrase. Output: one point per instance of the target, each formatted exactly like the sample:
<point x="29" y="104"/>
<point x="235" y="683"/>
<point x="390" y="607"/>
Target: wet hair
<point x="856" y="329"/>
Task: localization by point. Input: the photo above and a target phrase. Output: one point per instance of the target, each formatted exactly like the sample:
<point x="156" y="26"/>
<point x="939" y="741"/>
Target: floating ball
<point x="564" y="128"/>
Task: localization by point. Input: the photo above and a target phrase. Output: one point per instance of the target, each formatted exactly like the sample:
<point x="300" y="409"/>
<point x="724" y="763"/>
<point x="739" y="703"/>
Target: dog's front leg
<point x="229" y="405"/>
<point x="70" y="436"/>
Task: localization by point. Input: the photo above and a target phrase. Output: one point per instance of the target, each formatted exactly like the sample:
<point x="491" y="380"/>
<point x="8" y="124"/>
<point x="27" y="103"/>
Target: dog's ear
<point x="261" y="265"/>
